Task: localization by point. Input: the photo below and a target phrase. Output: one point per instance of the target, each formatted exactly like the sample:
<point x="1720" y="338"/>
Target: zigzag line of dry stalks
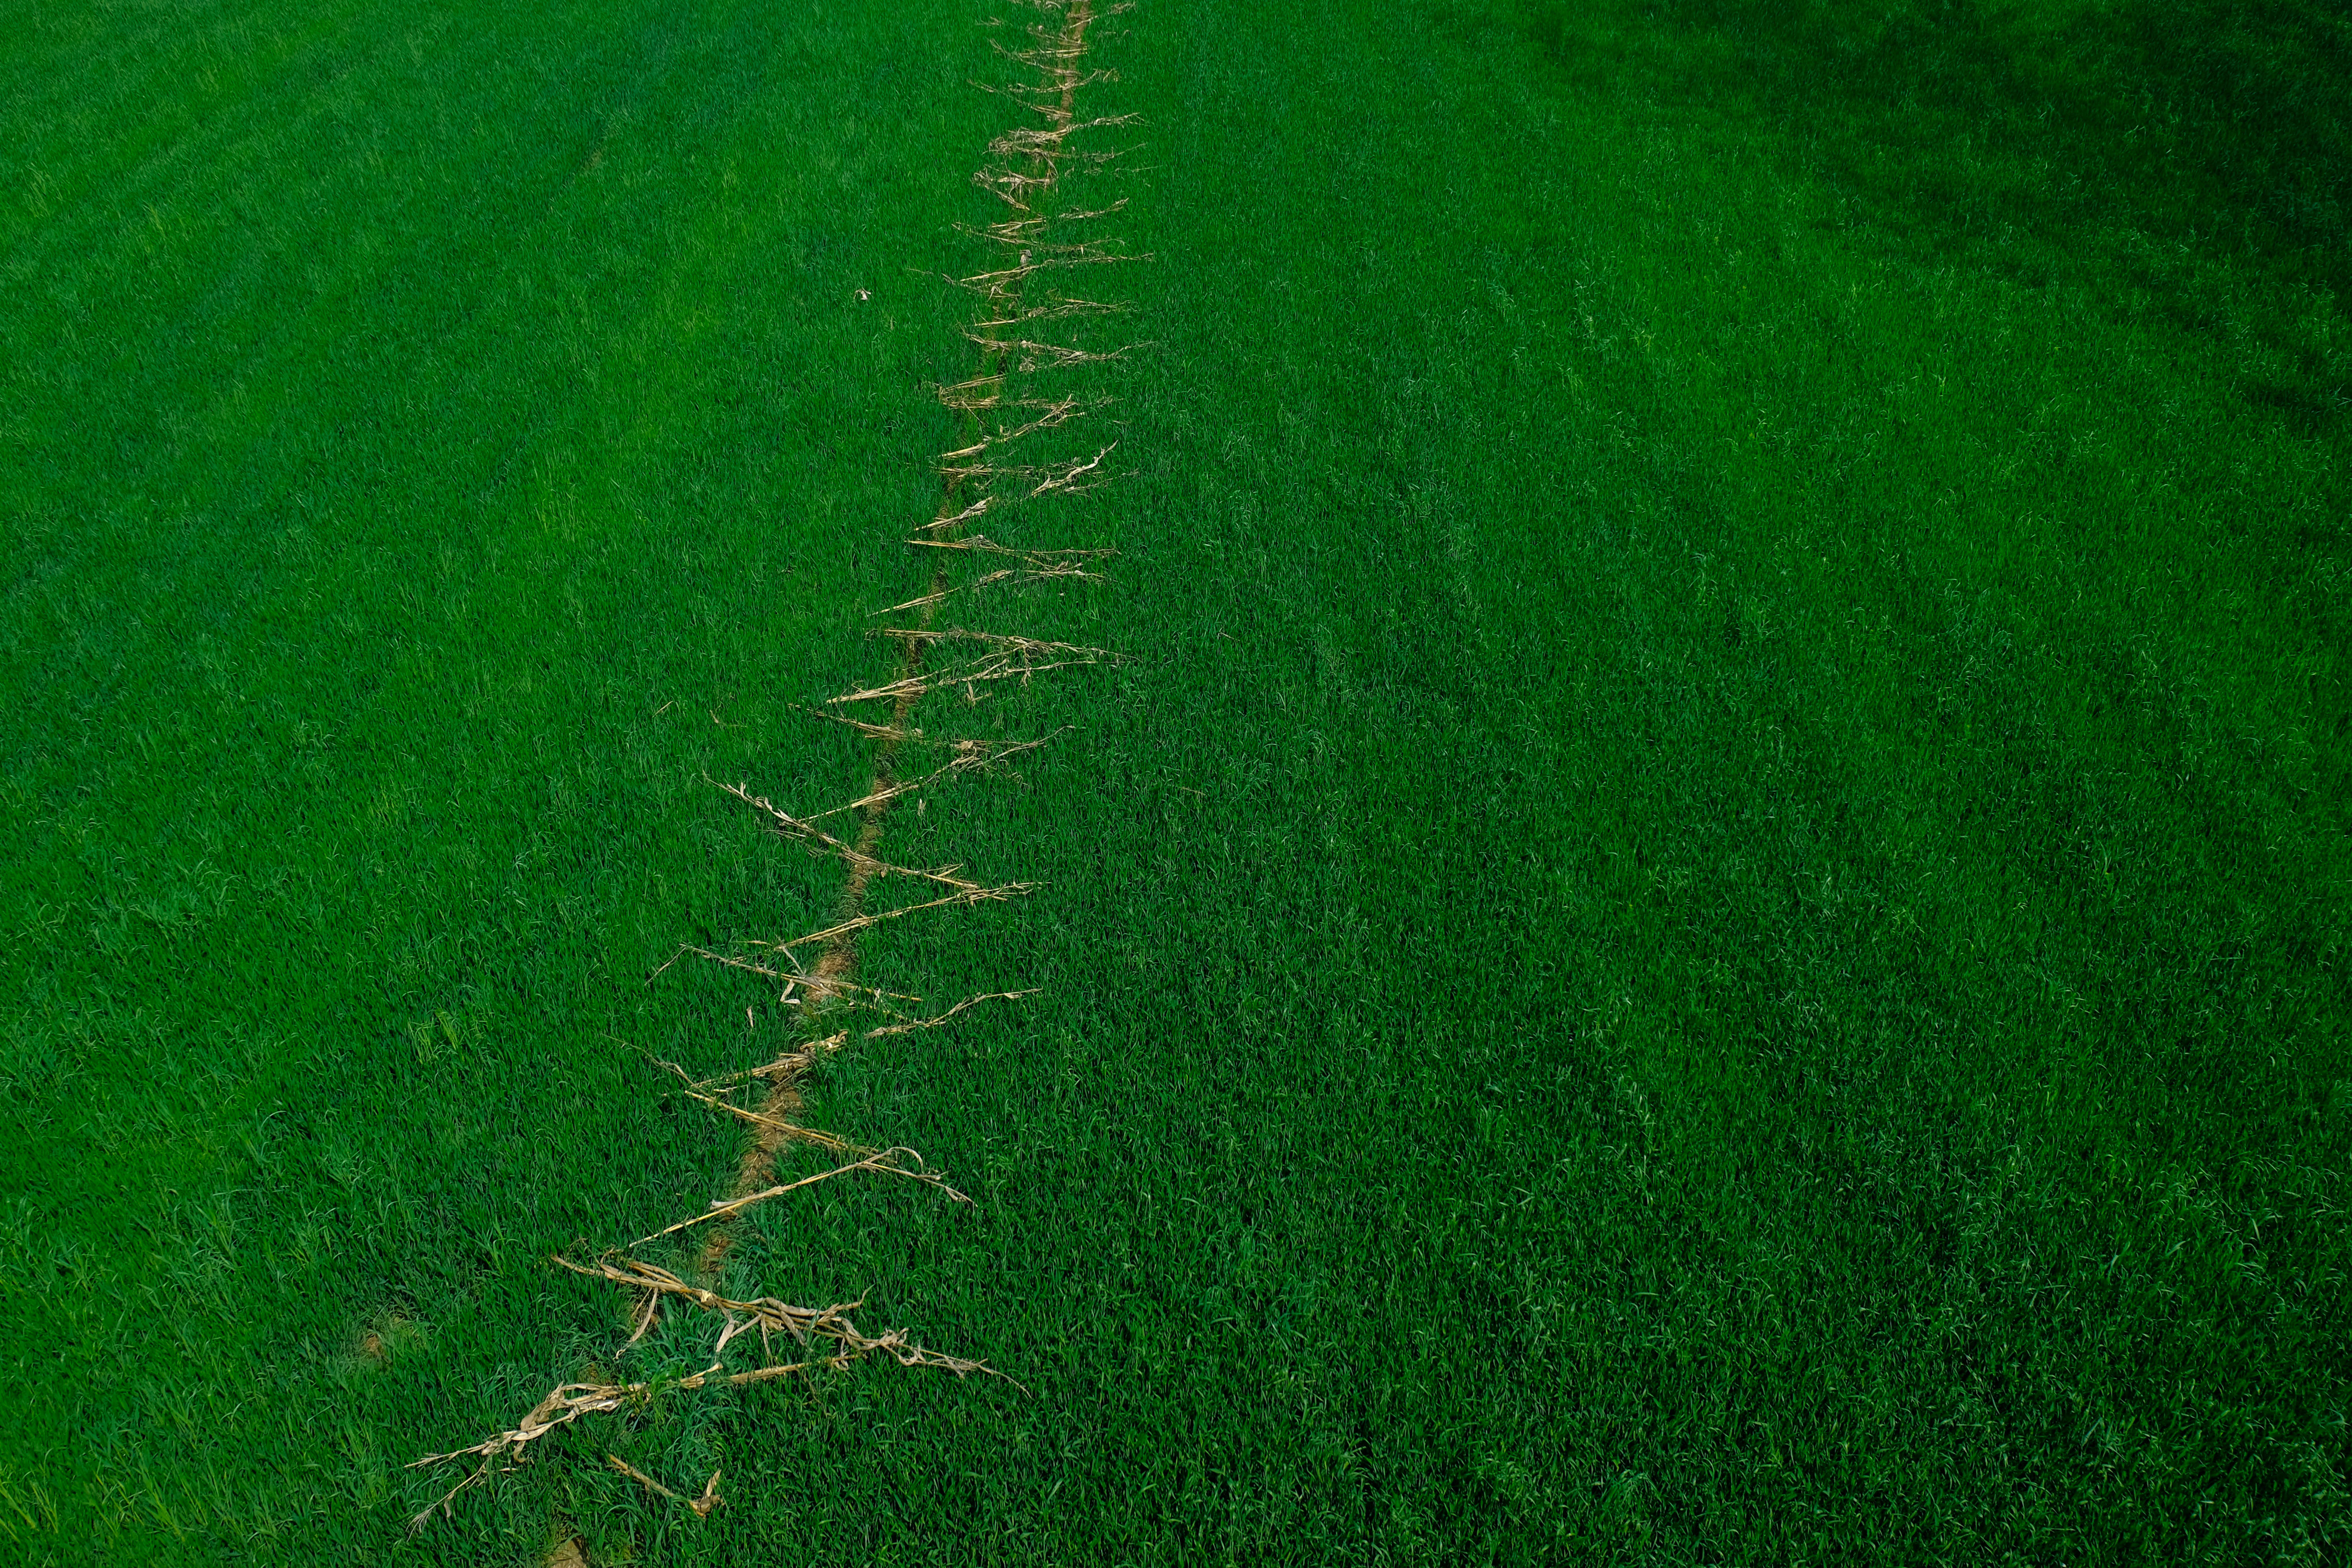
<point x="999" y="408"/>
<point x="567" y="1403"/>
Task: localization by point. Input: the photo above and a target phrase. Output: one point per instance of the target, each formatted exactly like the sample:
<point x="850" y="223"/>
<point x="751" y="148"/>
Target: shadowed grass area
<point x="1706" y="925"/>
<point x="2185" y="161"/>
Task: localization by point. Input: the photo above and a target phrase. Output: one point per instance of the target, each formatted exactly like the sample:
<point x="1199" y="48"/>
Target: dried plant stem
<point x="944" y="523"/>
<point x="789" y="1129"/>
<point x="569" y="1402"/>
<point x="1060" y="306"/>
<point x="861" y="923"/>
<point x="805" y="1325"/>
<point x="996" y="284"/>
<point x="911" y="1025"/>
<point x="1038" y="355"/>
<point x="1053" y="414"/>
<point x="1005" y="574"/>
<point x="766" y="1313"/>
<point x="1006" y="658"/>
<point x="883" y="1162"/>
<point x="1075" y="476"/>
<point x="1037" y="559"/>
<point x="701" y="1506"/>
<point x="822" y="986"/>
<point x="786" y="1067"/>
<point x="795" y="827"/>
<point x="965" y="756"/>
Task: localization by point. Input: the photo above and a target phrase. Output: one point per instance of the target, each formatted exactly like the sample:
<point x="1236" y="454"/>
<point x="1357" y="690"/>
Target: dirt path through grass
<point x="1009" y="398"/>
<point x="1057" y="60"/>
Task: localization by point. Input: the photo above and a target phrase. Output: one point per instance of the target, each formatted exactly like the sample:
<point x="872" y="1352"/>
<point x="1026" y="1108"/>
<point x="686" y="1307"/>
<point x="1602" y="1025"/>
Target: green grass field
<point x="1706" y="924"/>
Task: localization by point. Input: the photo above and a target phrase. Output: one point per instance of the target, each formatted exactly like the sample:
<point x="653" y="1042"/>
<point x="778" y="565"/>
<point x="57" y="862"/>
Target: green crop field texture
<point x="1706" y="921"/>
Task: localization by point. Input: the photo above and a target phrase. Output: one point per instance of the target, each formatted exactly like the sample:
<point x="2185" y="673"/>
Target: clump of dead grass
<point x="828" y="1333"/>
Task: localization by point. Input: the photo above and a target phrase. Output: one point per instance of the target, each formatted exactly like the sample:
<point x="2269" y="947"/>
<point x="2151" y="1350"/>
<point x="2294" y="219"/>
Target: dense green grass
<point x="1708" y="926"/>
<point x="416" y="432"/>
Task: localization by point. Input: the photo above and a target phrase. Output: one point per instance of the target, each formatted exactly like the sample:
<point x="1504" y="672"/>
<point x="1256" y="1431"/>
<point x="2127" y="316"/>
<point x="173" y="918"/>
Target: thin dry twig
<point x="913" y="1024"/>
<point x="1052" y="413"/>
<point x="895" y="733"/>
<point x="862" y="921"/>
<point x="995" y="283"/>
<point x="1031" y="140"/>
<point x="945" y="520"/>
<point x="791" y="1128"/>
<point x="1006" y="658"/>
<point x="966" y="396"/>
<point x="791" y="1065"/>
<point x="1034" y="560"/>
<point x="639" y="1476"/>
<point x="766" y="1313"/>
<point x="1020" y="91"/>
<point x="805" y="1325"/>
<point x="1074" y="477"/>
<point x="701" y="1506"/>
<point x="647" y="1316"/>
<point x="795" y="827"/>
<point x="1064" y="571"/>
<point x="1035" y="355"/>
<point x="974" y="755"/>
<point x="567" y="1403"/>
<point x="824" y="987"/>
<point x="884" y="1163"/>
<point x="1058" y="306"/>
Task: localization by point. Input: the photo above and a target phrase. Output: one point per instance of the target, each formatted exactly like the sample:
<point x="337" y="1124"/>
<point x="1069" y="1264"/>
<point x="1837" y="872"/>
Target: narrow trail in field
<point x="1013" y="397"/>
<point x="838" y="964"/>
<point x="966" y="493"/>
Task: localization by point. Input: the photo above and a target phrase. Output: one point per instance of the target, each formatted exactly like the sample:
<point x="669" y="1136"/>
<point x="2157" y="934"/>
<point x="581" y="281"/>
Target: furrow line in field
<point x="1010" y="399"/>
